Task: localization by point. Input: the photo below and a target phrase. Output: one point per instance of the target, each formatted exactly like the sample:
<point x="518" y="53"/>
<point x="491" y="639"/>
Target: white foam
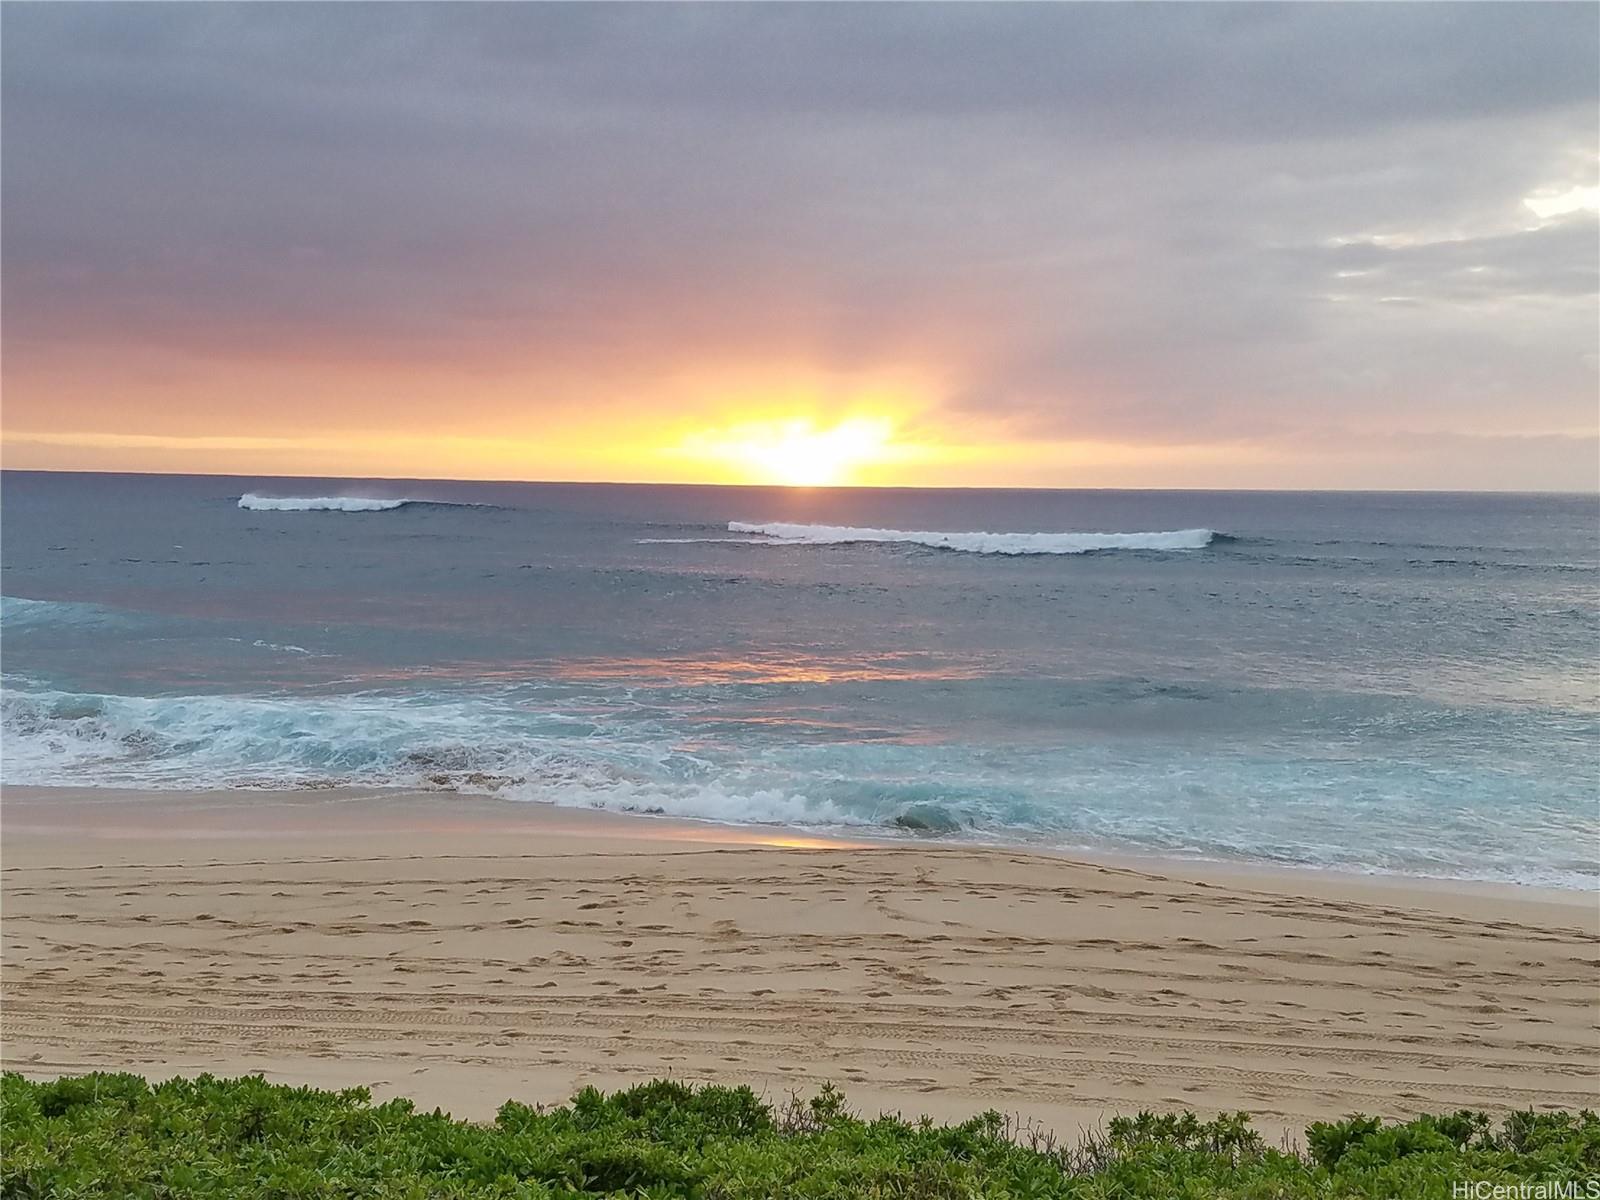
<point x="63" y="738"/>
<point x="705" y="800"/>
<point x="257" y="503"/>
<point x="1174" y="802"/>
<point x="979" y="543"/>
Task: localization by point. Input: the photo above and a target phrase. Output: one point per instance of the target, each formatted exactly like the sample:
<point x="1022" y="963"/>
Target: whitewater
<point x="346" y="504"/>
<point x="980" y="543"/>
<point x="351" y="504"/>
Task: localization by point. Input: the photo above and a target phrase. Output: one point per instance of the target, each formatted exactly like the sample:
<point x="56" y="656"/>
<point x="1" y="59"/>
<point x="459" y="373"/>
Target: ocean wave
<point x="18" y="613"/>
<point x="257" y="503"/>
<point x="349" y="504"/>
<point x="203" y="742"/>
<point x="220" y="741"/>
<point x="782" y="533"/>
<point x="445" y="744"/>
<point x="1185" y="800"/>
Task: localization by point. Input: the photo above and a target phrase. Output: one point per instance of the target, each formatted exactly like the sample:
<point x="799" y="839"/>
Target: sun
<point x="797" y="452"/>
<point x="800" y="455"/>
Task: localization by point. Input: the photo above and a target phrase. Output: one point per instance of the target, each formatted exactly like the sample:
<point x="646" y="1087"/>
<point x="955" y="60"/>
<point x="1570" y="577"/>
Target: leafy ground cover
<point x="117" y="1135"/>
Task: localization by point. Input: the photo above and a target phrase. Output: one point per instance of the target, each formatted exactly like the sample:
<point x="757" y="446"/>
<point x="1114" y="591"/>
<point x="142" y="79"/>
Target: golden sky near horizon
<point x="820" y="432"/>
<point x="792" y="426"/>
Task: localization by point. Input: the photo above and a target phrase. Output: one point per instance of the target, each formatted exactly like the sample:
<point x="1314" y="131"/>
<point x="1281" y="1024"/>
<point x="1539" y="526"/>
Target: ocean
<point x="1397" y="683"/>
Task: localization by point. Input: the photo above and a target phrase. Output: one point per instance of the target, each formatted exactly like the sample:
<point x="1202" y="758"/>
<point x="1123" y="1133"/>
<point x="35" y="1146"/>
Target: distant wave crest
<point x="257" y="503"/>
<point x="982" y="543"/>
<point x="350" y="504"/>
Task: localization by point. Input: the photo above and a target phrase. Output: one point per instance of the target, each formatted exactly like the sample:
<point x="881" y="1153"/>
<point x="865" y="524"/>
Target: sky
<point x="1100" y="245"/>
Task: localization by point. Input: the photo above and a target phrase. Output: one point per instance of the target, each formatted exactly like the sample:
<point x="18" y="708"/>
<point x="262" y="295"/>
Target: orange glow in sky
<point x="797" y="452"/>
<point x="782" y="423"/>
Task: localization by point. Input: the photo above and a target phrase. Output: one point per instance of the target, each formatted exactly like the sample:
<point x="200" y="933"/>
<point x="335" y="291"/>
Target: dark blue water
<point x="1404" y="683"/>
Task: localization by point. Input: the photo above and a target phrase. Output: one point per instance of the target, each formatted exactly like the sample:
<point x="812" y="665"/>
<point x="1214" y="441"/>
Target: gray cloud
<point x="1156" y="221"/>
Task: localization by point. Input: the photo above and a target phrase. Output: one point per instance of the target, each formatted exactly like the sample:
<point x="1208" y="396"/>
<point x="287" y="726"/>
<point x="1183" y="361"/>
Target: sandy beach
<point x="460" y="951"/>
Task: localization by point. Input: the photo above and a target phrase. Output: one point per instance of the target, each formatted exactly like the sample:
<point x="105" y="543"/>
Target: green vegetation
<point x="116" y="1135"/>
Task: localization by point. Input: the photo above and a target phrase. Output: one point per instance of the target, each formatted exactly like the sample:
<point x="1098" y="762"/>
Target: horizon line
<point x="832" y="487"/>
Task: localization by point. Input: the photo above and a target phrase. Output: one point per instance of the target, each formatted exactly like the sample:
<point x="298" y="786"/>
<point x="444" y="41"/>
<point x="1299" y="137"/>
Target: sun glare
<point x="797" y="453"/>
<point x="1551" y="203"/>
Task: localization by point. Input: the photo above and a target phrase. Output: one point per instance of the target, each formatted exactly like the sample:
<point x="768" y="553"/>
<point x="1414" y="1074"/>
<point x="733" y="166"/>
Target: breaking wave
<point x="349" y="504"/>
<point x="782" y="533"/>
<point x="257" y="503"/>
<point x="65" y="738"/>
<point x="1180" y="800"/>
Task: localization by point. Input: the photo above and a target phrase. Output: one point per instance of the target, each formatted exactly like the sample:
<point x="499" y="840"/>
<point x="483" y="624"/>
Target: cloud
<point x="1157" y="222"/>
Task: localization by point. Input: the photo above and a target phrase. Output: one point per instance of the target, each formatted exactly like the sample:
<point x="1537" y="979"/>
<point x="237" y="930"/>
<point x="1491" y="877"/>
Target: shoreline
<point x="476" y="810"/>
<point x="502" y="949"/>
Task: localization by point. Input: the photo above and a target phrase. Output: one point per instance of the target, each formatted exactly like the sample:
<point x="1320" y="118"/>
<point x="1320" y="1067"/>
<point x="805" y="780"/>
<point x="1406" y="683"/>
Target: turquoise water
<point x="1403" y="683"/>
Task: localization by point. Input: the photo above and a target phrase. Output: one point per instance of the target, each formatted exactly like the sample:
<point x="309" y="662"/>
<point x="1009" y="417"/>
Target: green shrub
<point x="1329" y="1140"/>
<point x="119" y="1136"/>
